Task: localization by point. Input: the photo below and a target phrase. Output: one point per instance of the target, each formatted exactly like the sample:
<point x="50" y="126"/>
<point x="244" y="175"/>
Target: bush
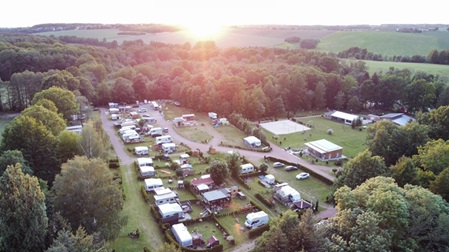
<point x="258" y="231"/>
<point x="264" y="200"/>
<point x="145" y="195"/>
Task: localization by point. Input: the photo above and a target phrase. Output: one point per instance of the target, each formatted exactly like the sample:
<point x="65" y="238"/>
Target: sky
<point x="24" y="13"/>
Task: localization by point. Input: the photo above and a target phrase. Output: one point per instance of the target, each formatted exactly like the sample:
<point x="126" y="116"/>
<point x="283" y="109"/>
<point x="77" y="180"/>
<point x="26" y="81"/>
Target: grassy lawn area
<point x="207" y="229"/>
<point x="236" y="229"/>
<point x="352" y="141"/>
<point x="232" y="135"/>
<point x="139" y="216"/>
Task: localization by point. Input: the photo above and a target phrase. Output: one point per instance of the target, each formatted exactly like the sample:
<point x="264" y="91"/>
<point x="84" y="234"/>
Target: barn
<point x="324" y="150"/>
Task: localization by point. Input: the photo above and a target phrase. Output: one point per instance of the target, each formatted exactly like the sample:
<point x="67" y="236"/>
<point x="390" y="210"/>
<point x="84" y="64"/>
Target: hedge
<point x="145" y="195"/>
<point x="264" y="200"/>
<point x="258" y="231"/>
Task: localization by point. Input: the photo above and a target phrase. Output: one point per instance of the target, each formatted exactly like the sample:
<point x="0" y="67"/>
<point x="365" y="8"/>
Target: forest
<point x="391" y="197"/>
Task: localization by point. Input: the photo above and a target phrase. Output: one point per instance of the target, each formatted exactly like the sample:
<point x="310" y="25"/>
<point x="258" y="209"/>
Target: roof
<point x="165" y="196"/>
<point x="144" y="161"/>
<point x="252" y="139"/>
<point x="170" y="208"/>
<point x="184" y="155"/>
<point x="288" y="190"/>
<point x="323" y="146"/>
<point x="269" y="176"/>
<point x="344" y="115"/>
<point x="391" y="116"/>
<point x="214" y="195"/>
<point x="398" y="118"/>
<point x="168" y="145"/>
<point x="302" y="204"/>
<point x="153" y="181"/>
<point x="207" y="181"/>
<point x="146" y="169"/>
<point x="182" y="231"/>
<point x="162" y="190"/>
<point x="141" y="148"/>
<point x="202" y="187"/>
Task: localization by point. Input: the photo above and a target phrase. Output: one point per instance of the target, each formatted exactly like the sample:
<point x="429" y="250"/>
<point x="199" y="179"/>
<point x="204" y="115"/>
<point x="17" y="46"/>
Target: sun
<point x="203" y="29"/>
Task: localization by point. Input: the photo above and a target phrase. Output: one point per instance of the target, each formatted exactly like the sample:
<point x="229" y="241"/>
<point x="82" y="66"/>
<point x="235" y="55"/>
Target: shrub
<point x="258" y="231"/>
<point x="264" y="200"/>
<point x="145" y="195"/>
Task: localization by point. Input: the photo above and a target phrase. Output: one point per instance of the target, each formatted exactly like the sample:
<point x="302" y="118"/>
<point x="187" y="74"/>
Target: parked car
<point x="302" y="175"/>
<point x="165" y="130"/>
<point x="278" y="164"/>
<point x="291" y="168"/>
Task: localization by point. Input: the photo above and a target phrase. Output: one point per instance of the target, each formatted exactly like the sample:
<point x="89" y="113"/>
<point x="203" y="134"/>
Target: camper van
<point x="169" y="147"/>
<point x="141" y="150"/>
<point x="155" y="132"/>
<point x="152" y="183"/>
<point x="163" y="139"/>
<point x="255" y="220"/>
<point x="130" y="135"/>
<point x="247" y="168"/>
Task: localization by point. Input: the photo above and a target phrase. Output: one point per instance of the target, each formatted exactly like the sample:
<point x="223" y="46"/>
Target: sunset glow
<point x="204" y="30"/>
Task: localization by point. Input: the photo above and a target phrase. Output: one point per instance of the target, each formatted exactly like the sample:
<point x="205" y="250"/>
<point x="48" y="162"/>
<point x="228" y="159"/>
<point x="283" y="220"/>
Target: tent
<point x="252" y="141"/>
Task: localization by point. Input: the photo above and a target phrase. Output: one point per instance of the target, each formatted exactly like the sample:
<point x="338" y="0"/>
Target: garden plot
<point x="284" y="127"/>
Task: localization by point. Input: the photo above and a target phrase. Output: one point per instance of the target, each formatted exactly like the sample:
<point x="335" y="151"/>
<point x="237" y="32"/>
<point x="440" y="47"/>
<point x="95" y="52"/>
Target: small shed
<point x="202" y="188"/>
<point x="252" y="141"/>
<point x="324" y="150"/>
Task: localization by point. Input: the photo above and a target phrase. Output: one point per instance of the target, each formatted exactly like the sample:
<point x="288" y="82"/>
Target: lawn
<point x="352" y="141"/>
<point x="232" y="135"/>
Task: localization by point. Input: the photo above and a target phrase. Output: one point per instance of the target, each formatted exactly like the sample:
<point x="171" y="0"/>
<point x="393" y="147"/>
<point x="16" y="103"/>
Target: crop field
<point x="386" y="43"/>
<point x="229" y="37"/>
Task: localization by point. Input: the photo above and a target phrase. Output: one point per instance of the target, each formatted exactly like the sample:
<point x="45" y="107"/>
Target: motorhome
<point x="155" y="132"/>
<point x="163" y="139"/>
<point x="257" y="219"/>
<point x="247" y="168"/>
<point x="141" y="150"/>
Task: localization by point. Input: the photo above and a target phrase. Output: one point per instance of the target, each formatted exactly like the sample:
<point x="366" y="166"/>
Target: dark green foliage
<point x="12" y="157"/>
<point x="263" y="200"/>
<point x="258" y="231"/>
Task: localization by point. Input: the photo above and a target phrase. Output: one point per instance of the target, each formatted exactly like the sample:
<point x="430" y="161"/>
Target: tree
<point x="64" y="100"/>
<point x="420" y="95"/>
<point x="54" y="122"/>
<point x="13" y="157"/>
<point x="122" y="91"/>
<point x="433" y="156"/>
<point x="23" y="217"/>
<point x="438" y="122"/>
<point x="233" y="162"/>
<point x="93" y="142"/>
<point x="68" y="146"/>
<point x="360" y="168"/>
<point x="219" y="171"/>
<point x="441" y="184"/>
<point x="36" y="143"/>
<point x="404" y="171"/>
<point x="140" y="87"/>
<point x="79" y="242"/>
<point x="86" y="196"/>
<point x="263" y="167"/>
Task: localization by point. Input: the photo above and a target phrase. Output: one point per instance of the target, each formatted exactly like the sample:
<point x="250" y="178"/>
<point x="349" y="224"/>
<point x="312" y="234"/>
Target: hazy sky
<point x="19" y="13"/>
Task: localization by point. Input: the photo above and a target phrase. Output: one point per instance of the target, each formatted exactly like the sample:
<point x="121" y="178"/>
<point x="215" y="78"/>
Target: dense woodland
<point x="391" y="197"/>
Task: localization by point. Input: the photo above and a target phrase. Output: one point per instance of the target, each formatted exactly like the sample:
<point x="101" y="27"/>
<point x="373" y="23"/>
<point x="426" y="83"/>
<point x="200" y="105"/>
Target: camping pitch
<point x="284" y="127"/>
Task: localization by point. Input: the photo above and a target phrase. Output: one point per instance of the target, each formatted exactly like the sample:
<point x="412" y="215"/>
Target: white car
<point x="278" y="164"/>
<point x="302" y="175"/>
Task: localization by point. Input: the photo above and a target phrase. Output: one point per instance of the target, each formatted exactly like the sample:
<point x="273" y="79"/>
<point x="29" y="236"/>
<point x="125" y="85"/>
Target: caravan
<point x="153" y="183"/>
<point x="169" y="147"/>
<point x="155" y="132"/>
<point x="246" y="168"/>
<point x="141" y="150"/>
<point x="122" y="130"/>
<point x="163" y="139"/>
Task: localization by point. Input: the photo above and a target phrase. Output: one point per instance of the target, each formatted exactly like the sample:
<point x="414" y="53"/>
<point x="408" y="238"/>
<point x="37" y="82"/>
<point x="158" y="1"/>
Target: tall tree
<point x="68" y="146"/>
<point x="219" y="171"/>
<point x="13" y="157"/>
<point x="64" y="100"/>
<point x="86" y="196"/>
<point x="36" y="143"/>
<point x="23" y="217"/>
<point x="438" y="122"/>
<point x="92" y="142"/>
<point x="54" y="122"/>
<point x="233" y="162"/>
<point x="420" y="95"/>
<point x="80" y="241"/>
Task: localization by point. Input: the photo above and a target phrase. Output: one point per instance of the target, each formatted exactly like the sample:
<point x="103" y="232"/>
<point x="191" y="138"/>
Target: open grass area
<point x="352" y="141"/>
<point x="386" y="43"/>
<point x="139" y="216"/>
<point x="231" y="135"/>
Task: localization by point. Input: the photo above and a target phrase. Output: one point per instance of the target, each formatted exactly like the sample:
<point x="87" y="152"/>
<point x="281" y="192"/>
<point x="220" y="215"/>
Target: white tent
<point x="182" y="235"/>
<point x="252" y="141"/>
<point x="287" y="192"/>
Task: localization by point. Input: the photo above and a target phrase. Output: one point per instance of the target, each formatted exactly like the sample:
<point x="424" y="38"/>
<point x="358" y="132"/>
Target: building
<point x="217" y="197"/>
<point x="342" y="117"/>
<point x="324" y="150"/>
<point x="398" y="118"/>
<point x="200" y="183"/>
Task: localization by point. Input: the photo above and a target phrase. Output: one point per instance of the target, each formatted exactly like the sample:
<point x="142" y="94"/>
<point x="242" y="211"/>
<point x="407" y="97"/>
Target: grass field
<point x="386" y="43"/>
<point x="352" y="141"/>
